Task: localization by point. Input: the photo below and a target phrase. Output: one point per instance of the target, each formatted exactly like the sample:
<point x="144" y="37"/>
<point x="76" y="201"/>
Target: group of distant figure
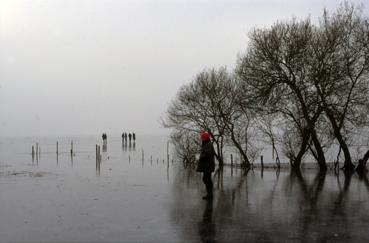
<point x="130" y="136"/>
<point x="127" y="138"/>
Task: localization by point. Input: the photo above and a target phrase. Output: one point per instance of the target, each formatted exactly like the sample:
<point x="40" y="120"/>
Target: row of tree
<point x="301" y="87"/>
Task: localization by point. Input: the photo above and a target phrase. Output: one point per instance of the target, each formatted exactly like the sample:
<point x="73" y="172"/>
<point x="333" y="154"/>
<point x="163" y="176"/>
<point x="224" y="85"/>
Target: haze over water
<point x="76" y="67"/>
<point x="68" y="200"/>
<point x="70" y="68"/>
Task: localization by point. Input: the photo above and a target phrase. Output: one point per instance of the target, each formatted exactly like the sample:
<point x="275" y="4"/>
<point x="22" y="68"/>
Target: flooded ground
<point x="137" y="196"/>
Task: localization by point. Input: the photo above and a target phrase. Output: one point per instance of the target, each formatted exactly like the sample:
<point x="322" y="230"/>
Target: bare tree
<point x="238" y="121"/>
<point x="268" y="126"/>
<point x="196" y="108"/>
<point x="311" y="81"/>
<point x="275" y="70"/>
<point x="210" y="103"/>
<point x="185" y="146"/>
<point x="339" y="71"/>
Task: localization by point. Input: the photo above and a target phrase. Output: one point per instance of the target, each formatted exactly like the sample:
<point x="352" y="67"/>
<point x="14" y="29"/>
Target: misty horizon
<point x="87" y="67"/>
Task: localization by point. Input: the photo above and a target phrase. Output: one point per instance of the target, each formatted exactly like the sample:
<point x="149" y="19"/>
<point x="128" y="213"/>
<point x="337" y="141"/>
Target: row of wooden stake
<point x="98" y="152"/>
<point x="38" y="149"/>
<point x="98" y="157"/>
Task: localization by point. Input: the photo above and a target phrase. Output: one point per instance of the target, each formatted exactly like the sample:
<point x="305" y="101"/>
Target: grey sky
<point x="88" y="66"/>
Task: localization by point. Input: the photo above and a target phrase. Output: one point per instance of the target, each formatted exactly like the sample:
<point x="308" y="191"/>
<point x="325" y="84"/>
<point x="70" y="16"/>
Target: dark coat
<point x="206" y="160"/>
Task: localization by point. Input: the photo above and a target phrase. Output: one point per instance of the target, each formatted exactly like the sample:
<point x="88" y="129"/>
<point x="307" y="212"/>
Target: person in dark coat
<point x="206" y="164"/>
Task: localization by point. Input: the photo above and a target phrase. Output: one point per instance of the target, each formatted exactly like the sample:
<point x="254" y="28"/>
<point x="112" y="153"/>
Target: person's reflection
<point x="206" y="226"/>
<point x="71" y="160"/>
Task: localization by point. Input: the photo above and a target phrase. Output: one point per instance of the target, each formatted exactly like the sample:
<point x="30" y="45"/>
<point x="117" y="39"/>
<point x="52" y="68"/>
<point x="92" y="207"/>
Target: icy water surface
<point x="140" y="197"/>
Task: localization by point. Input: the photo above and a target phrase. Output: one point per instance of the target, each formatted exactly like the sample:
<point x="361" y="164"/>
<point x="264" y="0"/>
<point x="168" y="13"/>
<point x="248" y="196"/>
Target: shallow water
<point x="65" y="199"/>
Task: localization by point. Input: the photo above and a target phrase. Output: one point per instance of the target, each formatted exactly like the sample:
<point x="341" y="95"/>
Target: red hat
<point x="205" y="136"/>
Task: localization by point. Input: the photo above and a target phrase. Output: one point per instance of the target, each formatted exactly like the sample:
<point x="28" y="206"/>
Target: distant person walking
<point x="206" y="164"/>
<point x="134" y="137"/>
<point x="129" y="137"/>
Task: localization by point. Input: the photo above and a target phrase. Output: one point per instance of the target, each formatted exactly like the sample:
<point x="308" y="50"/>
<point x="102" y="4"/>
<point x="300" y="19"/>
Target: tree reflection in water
<point x="285" y="206"/>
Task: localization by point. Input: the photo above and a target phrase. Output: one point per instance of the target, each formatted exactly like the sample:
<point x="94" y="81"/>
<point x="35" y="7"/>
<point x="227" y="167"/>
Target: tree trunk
<point x="348" y="165"/>
<point x="311" y="122"/>
<point x="362" y="163"/>
<point x="321" y="158"/>
<point x="218" y="154"/>
<point x="304" y="143"/>
<point x="245" y="159"/>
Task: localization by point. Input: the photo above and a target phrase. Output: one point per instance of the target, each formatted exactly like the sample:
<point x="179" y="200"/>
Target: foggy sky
<point x="79" y="67"/>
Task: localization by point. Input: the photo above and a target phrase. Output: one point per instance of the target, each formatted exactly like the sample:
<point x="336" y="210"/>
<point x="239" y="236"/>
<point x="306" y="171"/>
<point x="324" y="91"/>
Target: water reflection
<point x="207" y="226"/>
<point x="124" y="146"/>
<point x="281" y="206"/>
<point x="364" y="178"/>
<point x="105" y="147"/>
